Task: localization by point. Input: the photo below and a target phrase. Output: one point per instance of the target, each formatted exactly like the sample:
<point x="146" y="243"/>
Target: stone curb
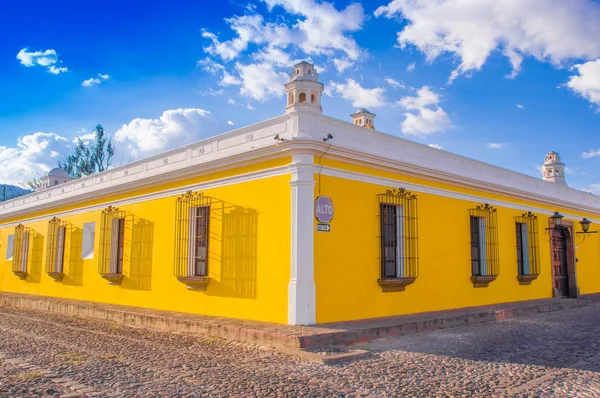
<point x="278" y="336"/>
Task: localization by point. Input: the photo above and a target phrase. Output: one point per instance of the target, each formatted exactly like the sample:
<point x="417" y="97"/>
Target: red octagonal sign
<point x="324" y="209"/>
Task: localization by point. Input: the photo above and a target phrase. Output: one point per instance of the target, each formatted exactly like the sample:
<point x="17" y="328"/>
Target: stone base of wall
<point x="285" y="336"/>
<point x="254" y="332"/>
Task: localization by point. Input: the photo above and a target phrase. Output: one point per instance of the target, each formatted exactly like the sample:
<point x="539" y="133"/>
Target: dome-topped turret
<point x="364" y="118"/>
<point x="304" y="90"/>
<point x="554" y="169"/>
<point x="58" y="172"/>
<point x="54" y="177"/>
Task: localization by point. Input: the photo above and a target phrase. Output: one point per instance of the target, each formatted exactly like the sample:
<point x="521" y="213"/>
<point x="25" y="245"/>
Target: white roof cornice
<point x="304" y="132"/>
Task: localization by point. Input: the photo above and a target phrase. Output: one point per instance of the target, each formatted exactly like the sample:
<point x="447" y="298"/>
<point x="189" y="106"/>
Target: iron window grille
<point x="55" y="250"/>
<point x="528" y="250"/>
<point x="398" y="239"/>
<point x="484" y="244"/>
<point x="21" y="250"/>
<point x="192" y="238"/>
<point x="112" y="244"/>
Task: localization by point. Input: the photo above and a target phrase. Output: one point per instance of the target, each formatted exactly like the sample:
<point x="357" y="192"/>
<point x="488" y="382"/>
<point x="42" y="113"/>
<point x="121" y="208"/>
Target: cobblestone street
<point x="552" y="354"/>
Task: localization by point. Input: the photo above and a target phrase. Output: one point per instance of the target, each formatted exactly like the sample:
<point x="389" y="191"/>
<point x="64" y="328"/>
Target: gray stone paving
<point x="548" y="355"/>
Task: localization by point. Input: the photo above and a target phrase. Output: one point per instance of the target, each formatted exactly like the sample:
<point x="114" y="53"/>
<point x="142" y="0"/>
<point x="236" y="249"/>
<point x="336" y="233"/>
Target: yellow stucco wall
<point x="347" y="258"/>
<point x="249" y="252"/>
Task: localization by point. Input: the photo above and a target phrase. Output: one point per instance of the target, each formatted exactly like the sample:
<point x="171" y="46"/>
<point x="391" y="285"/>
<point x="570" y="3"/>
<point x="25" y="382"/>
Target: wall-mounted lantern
<point x="585" y="227"/>
<point x="556" y="220"/>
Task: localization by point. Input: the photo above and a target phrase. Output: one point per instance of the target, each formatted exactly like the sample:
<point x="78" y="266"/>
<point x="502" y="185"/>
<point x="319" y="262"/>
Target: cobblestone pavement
<point x="552" y="354"/>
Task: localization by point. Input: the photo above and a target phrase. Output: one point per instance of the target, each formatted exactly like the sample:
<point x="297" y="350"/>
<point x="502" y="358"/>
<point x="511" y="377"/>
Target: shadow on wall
<point x="238" y="254"/>
<point x="139" y="247"/>
<point x="37" y="258"/>
<point x="73" y="257"/>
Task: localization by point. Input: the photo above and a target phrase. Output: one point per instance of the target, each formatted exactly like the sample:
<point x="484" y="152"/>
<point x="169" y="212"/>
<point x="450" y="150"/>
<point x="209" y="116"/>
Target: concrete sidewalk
<point x="278" y="335"/>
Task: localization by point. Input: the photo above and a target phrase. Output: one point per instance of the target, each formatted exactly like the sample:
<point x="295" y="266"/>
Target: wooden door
<point x="560" y="263"/>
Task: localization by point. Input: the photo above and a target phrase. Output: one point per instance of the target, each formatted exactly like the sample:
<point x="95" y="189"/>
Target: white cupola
<point x="54" y="177"/>
<point x="553" y="169"/>
<point x="364" y="118"/>
<point x="303" y="91"/>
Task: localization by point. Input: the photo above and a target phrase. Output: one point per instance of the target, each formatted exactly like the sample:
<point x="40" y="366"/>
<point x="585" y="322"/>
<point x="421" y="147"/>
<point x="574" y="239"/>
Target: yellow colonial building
<point x="303" y="219"/>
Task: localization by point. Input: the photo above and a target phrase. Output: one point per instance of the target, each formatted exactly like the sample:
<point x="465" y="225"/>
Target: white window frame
<point x="88" y="241"/>
<point x="10" y="247"/>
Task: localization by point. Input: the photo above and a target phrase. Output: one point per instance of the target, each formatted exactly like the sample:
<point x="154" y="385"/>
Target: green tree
<point x="32" y="185"/>
<point x="89" y="158"/>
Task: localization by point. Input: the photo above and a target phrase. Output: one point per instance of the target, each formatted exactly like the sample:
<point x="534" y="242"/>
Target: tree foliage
<point x="89" y="157"/>
<point x="32" y="185"/>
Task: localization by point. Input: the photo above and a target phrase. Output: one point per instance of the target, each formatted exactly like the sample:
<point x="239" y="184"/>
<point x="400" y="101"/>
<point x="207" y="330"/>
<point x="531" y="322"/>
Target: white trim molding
<point x="302" y="307"/>
<point x="395" y="183"/>
<point x="237" y="179"/>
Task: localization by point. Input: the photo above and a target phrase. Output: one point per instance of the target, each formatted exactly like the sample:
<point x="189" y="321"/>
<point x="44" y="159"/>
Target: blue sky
<point x="497" y="80"/>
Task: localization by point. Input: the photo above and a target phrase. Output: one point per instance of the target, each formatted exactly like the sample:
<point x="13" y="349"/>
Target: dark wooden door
<point x="559" y="263"/>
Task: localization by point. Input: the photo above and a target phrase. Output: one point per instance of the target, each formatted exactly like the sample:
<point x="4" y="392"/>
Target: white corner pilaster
<point x="302" y="308"/>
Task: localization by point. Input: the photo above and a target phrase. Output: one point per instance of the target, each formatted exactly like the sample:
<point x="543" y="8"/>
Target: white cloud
<point x="173" y="128"/>
<point x="231" y="101"/>
<point x="520" y="106"/>
<point x="94" y="81"/>
<point x="229" y="80"/>
<point x="321" y="28"/>
<point x="210" y="66"/>
<point x="85" y="137"/>
<point x="425" y="97"/>
<point x="436" y="146"/>
<point x="591" y="154"/>
<point x="32" y="58"/>
<point x="256" y="81"/>
<point x="360" y="96"/>
<point x="47" y="58"/>
<point x="495" y="145"/>
<point x="394" y="83"/>
<point x="274" y="56"/>
<point x="411" y="67"/>
<point x="249" y="29"/>
<point x="587" y="83"/>
<point x="310" y="28"/>
<point x="33" y="156"/>
<point x="212" y="92"/>
<point x="229" y="122"/>
<point x="316" y="28"/>
<point x="91" y="82"/>
<point x="424" y="115"/>
<point x="549" y="30"/>
<point x="569" y="170"/>
<point x="341" y="64"/>
<point x="57" y="70"/>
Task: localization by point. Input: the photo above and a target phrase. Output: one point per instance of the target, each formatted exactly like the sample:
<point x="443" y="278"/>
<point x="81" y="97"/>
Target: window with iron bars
<point x="192" y="228"/>
<point x="55" y="250"/>
<point x="528" y="251"/>
<point x="21" y="250"/>
<point x="484" y="245"/>
<point x="398" y="239"/>
<point x="112" y="244"/>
